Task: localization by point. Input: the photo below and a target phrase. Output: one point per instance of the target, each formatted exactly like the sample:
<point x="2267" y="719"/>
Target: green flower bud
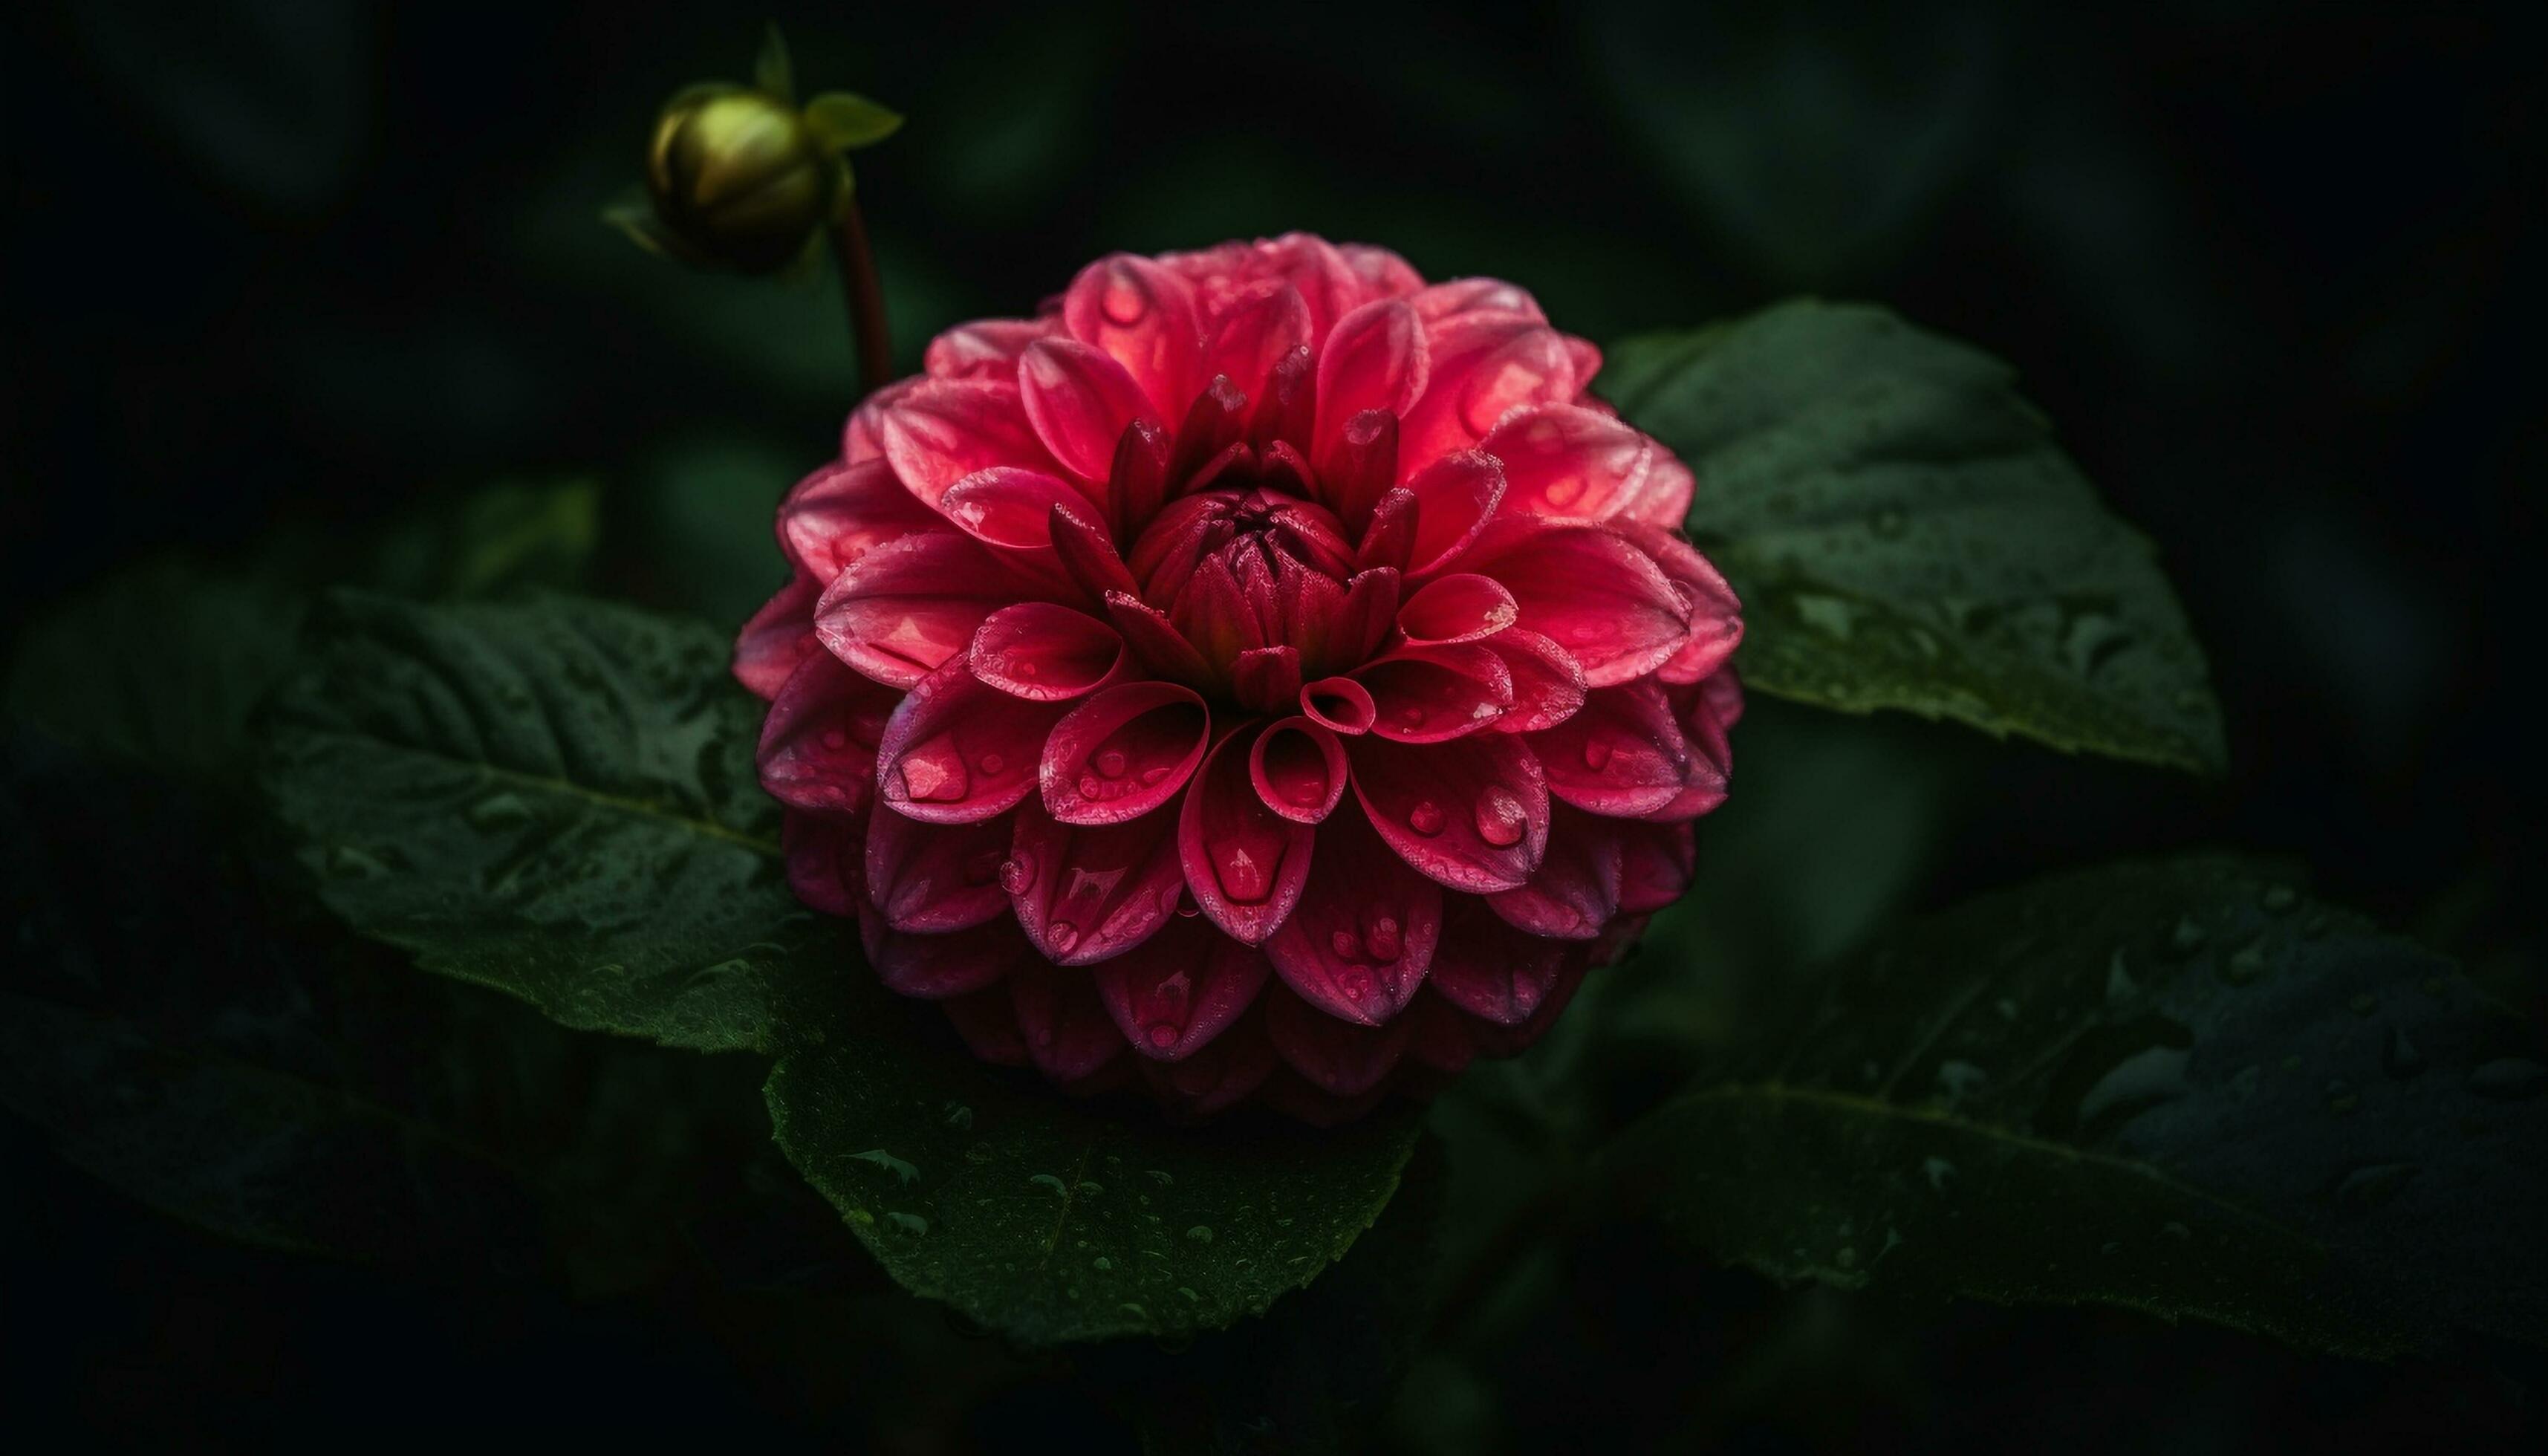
<point x="738" y="179"/>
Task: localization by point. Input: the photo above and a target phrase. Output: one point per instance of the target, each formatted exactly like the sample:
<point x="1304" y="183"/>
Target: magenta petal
<point x="1298" y="770"/>
<point x="959" y="750"/>
<point x="1373" y="359"/>
<point x="1474" y="296"/>
<point x="1087" y="553"/>
<point x="1341" y="1057"/>
<point x="1548" y="683"/>
<point x="1255" y="334"/>
<point x="1339" y="705"/>
<point x="818" y="746"/>
<point x="1123" y="752"/>
<point x="1245" y="864"/>
<point x="778" y="638"/>
<point x="1358" y="945"/>
<point x="1048" y="652"/>
<point x="1143" y="316"/>
<point x="1180" y="988"/>
<point x="863" y="439"/>
<point x="1155" y="641"/>
<point x="987" y="348"/>
<point x="1455" y="495"/>
<point x="824" y="859"/>
<point x="1569" y="463"/>
<point x="935" y="968"/>
<point x="932" y="879"/>
<point x="1388" y="540"/>
<point x="1588" y="588"/>
<point x="1470" y="813"/>
<point x="1575" y="891"/>
<point x="1085" y="893"/>
<point x="1008" y="507"/>
<point x="1487" y="969"/>
<point x="1434" y="693"/>
<point x="899" y="612"/>
<point x="1266" y="680"/>
<point x="1079" y="401"/>
<point x="1622" y="756"/>
<point x="1703" y="725"/>
<point x="946" y="429"/>
<point x="1655" y="864"/>
<point x="1460" y="607"/>
<point x="841" y="513"/>
<point x="1069" y="1035"/>
<point x="1218" y="1075"/>
<point x="1484" y="365"/>
<point x="1715" y="616"/>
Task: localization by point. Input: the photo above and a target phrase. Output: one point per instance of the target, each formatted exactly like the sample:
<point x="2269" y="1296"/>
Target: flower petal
<point x="988" y="1020"/>
<point x="933" y="879"/>
<point x="1568" y="463"/>
<point x="987" y="348"/>
<point x="1460" y="607"/>
<point x="1433" y="693"/>
<point x="1123" y="752"/>
<point x="1490" y="970"/>
<point x="1589" y="589"/>
<point x="1483" y="365"/>
<point x="1254" y="335"/>
<point x="1245" y="864"/>
<point x="945" y="429"/>
<point x="818" y="746"/>
<point x="863" y="438"/>
<point x="1069" y="1035"/>
<point x="1470" y="813"/>
<point x="840" y="512"/>
<point x="1455" y="495"/>
<point x="1085" y="893"/>
<point x="1474" y="296"/>
<point x="1358" y="945"/>
<point x="1575" y="891"/>
<point x="1298" y="770"/>
<point x="1143" y="316"/>
<point x="905" y="608"/>
<point x="935" y="968"/>
<point x="1373" y="359"/>
<point x="959" y="750"/>
<point x="1218" y="1074"/>
<point x="778" y="638"/>
<point x="1715" y="616"/>
<point x="1655" y="864"/>
<point x="824" y="859"/>
<point x="1009" y="508"/>
<point x="1344" y="1059"/>
<point x="1155" y="641"/>
<point x="1622" y="756"/>
<point x="1181" y="988"/>
<point x="1548" y="683"/>
<point x="1045" y="652"/>
<point x="1339" y="704"/>
<point x="1079" y="401"/>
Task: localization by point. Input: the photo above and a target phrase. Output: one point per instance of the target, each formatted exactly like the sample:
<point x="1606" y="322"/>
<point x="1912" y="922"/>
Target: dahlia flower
<point x="1260" y="675"/>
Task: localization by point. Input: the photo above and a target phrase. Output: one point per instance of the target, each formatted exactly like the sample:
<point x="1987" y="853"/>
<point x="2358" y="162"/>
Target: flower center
<point x="1241" y="568"/>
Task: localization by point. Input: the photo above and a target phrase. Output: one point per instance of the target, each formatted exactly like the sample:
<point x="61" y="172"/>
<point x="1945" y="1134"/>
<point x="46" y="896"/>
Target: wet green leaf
<point x="1050" y="1219"/>
<point x="555" y="798"/>
<point x="1905" y="534"/>
<point x="846" y="121"/>
<point x="2180" y="1087"/>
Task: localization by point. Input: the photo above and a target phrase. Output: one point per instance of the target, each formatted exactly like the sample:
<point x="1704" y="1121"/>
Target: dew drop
<point x="835" y="740"/>
<point x="1063" y="937"/>
<point x="1596" y="755"/>
<point x="1382" y="939"/>
<point x="1123" y="303"/>
<point x="1153" y="774"/>
<point x="1563" y="492"/>
<point x="1242" y="878"/>
<point x="1017" y="877"/>
<point x="1501" y="820"/>
<point x="1199" y="1234"/>
<point x="2188" y="935"/>
<point x="1425" y="818"/>
<point x="1112" y="763"/>
<point x="1411" y="717"/>
<point x="1162" y="1035"/>
<point x="1091" y="788"/>
<point x="932" y="773"/>
<point x="1345" y="944"/>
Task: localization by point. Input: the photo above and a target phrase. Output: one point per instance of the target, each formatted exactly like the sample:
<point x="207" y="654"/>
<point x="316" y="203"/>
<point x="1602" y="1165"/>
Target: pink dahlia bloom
<point x="1260" y="675"/>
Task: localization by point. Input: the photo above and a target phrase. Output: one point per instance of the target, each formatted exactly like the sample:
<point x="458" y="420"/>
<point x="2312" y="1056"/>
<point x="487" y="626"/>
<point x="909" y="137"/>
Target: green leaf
<point x="555" y="798"/>
<point x="771" y="71"/>
<point x="844" y="121"/>
<point x="1052" y="1220"/>
<point x="2179" y="1087"/>
<point x="1904" y="534"/>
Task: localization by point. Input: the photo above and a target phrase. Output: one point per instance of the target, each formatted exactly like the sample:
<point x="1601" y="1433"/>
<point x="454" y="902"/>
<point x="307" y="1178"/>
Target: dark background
<point x="2274" y="273"/>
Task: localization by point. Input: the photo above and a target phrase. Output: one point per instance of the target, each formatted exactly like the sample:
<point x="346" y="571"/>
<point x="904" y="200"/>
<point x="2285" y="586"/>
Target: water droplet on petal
<point x="1112" y="763"/>
<point x="1123" y="303"/>
<point x="1596" y="755"/>
<point x="1090" y="786"/>
<point x="835" y="740"/>
<point x="1501" y="820"/>
<point x="1425" y="818"/>
<point x="1017" y="877"/>
<point x="1345" y="944"/>
<point x="1162" y="1035"/>
<point x="1382" y="939"/>
<point x="1356" y="984"/>
<point x="933" y="771"/>
<point x="1062" y="935"/>
<point x="1242" y="878"/>
<point x="1563" y="492"/>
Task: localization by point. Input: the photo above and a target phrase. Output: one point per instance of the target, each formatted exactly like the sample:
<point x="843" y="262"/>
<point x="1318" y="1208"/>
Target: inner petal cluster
<point x="1261" y="675"/>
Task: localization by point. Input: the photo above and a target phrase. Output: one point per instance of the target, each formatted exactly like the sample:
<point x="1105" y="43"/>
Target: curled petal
<point x="1180" y="989"/>
<point x="1143" y="316"/>
<point x="1383" y="274"/>
<point x="778" y="638"/>
<point x="1255" y="333"/>
<point x="1218" y="1075"/>
<point x="1008" y="507"/>
<point x="987" y="348"/>
<point x="1084" y="893"/>
<point x="1455" y="496"/>
<point x="863" y="439"/>
<point x="1339" y="705"/>
<point x="1459" y="607"/>
<point x="959" y="750"/>
<point x="1362" y="622"/>
<point x="1485" y="364"/>
<point x="1069" y="1035"/>
<point x="824" y="859"/>
<point x="1298" y="770"/>
<point x="1715" y="617"/>
<point x="1433" y="693"/>
<point x="901" y="611"/>
<point x="932" y="879"/>
<point x="1373" y="359"/>
<point x="1048" y="652"/>
<point x="1245" y="863"/>
<point x="1123" y="752"/>
<point x="1137" y="480"/>
<point x="1359" y="942"/>
<point x="1344" y="1059"/>
<point x="840" y="512"/>
<point x="1474" y="296"/>
<point x="1321" y="274"/>
<point x="1470" y="813"/>
<point x="1283" y="413"/>
<point x="1575" y="891"/>
<point x="1500" y="1041"/>
<point x="1568" y="463"/>
<point x="818" y="746"/>
<point x="1079" y="402"/>
<point x="1548" y="683"/>
<point x="1655" y="864"/>
<point x="935" y="967"/>
<point x="1702" y="709"/>
<point x="1624" y="755"/>
<point x="1664" y="501"/>
<point x="946" y="429"/>
<point x="1491" y="971"/>
<point x="1591" y="590"/>
<point x="1155" y="641"/>
<point x="1087" y="553"/>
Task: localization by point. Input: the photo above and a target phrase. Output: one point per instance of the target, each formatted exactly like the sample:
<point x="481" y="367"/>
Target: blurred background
<point x="287" y="269"/>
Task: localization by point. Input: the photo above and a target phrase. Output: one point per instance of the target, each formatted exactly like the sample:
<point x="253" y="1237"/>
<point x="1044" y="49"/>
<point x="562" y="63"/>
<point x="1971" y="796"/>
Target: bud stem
<point x="858" y="285"/>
